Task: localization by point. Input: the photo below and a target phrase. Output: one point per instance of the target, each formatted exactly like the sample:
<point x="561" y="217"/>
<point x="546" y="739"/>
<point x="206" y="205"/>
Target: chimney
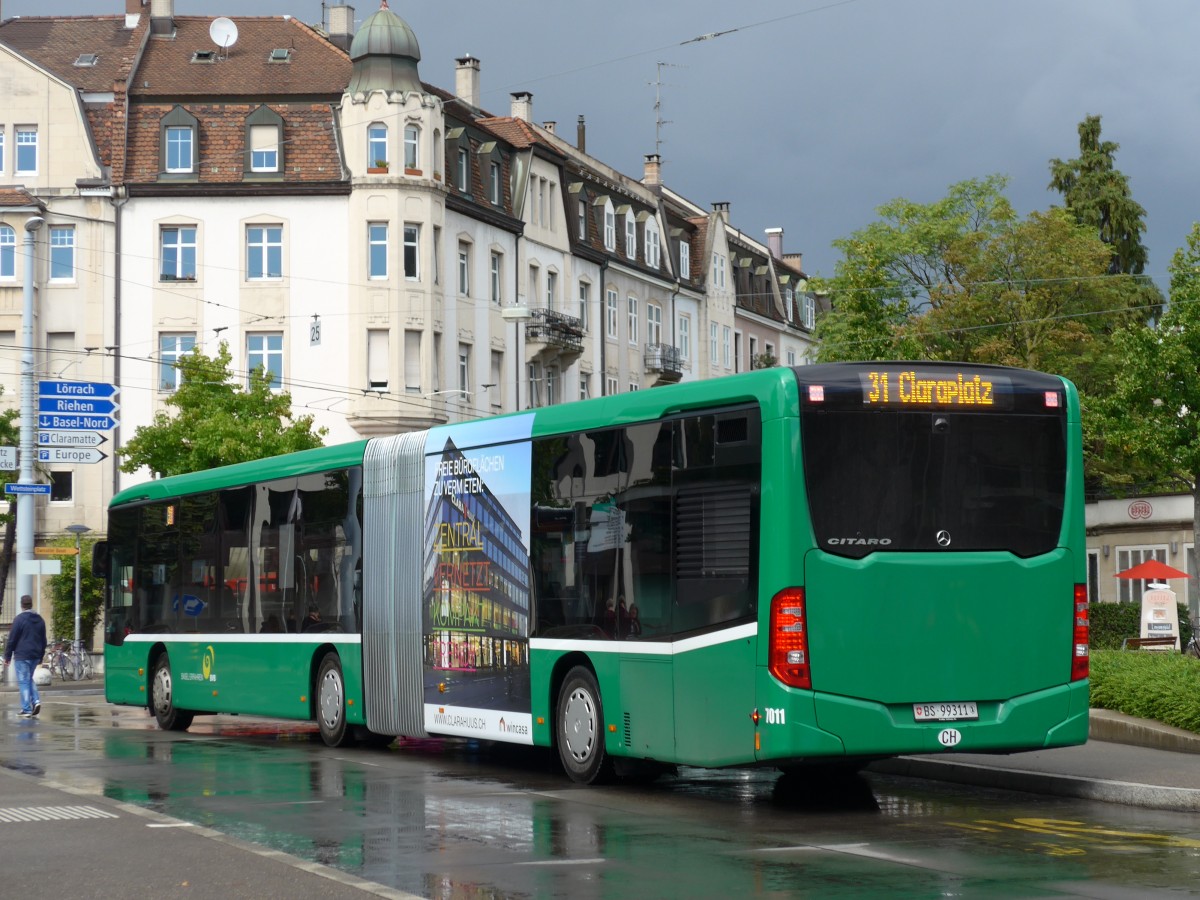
<point x="721" y="208"/>
<point x="550" y="126"/>
<point x="775" y="242"/>
<point x="652" y="170"/>
<point x="133" y="12"/>
<point x="341" y="26"/>
<point x="162" y="17"/>
<point x="466" y="80"/>
<point x="522" y="105"/>
<point x="581" y="135"/>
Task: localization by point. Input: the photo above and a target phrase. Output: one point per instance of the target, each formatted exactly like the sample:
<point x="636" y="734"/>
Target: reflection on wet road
<point x="454" y="819"/>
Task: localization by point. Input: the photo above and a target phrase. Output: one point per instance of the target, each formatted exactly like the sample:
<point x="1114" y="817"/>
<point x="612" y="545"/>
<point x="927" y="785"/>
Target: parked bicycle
<point x="69" y="661"/>
<point x="1193" y="646"/>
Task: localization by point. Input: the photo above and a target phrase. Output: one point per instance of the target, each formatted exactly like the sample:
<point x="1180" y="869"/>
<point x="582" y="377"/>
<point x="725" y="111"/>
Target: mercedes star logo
<point x="943" y="538"/>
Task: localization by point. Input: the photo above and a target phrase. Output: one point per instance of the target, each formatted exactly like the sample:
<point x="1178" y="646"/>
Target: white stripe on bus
<point x="316" y="637"/>
<point x="648" y="648"/>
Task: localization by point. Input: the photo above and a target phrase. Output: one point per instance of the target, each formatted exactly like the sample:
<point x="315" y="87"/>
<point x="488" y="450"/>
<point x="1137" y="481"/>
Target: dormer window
<point x="652" y="244"/>
<point x="264" y="141"/>
<point x="630" y="235"/>
<point x="610" y="226"/>
<point x="178" y="142"/>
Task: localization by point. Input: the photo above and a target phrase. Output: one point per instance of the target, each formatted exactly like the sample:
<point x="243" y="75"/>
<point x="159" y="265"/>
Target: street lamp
<point x="25" y="506"/>
<point x="517" y="315"/>
<point x="78" y="531"/>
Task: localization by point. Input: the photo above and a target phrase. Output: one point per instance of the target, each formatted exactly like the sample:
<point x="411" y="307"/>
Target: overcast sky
<point x="809" y="114"/>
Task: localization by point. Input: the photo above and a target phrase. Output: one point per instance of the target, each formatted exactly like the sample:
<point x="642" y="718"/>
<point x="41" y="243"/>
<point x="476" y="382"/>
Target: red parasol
<point x="1152" y="570"/>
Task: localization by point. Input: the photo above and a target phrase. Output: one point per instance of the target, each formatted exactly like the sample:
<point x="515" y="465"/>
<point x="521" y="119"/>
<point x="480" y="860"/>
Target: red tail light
<point x="788" y="655"/>
<point x="1079" y="638"/>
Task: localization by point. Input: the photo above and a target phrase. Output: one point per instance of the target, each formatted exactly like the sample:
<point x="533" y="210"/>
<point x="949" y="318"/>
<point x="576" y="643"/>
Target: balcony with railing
<point x="664" y="362"/>
<point x="553" y="336"/>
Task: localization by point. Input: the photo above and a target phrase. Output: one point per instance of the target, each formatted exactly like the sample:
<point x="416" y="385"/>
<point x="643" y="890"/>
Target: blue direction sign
<point x="77" y="389"/>
<point x="17" y="488"/>
<point x="50" y="422"/>
<point x="84" y="405"/>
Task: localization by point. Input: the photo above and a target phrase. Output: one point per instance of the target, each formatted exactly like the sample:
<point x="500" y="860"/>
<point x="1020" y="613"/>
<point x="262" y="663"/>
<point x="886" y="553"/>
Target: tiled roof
<point x="56" y="43"/>
<point x="310" y="153"/>
<point x="315" y="67"/>
<point x="517" y="132"/>
<point x="14" y="197"/>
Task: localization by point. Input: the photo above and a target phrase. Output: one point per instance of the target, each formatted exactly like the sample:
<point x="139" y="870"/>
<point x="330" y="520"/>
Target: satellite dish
<point x="223" y="32"/>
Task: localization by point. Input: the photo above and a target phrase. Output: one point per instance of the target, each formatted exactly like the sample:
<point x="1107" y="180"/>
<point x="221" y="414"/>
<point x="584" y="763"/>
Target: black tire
<point x="162" y="698"/>
<point x="331" y="702"/>
<point x="579" y="729"/>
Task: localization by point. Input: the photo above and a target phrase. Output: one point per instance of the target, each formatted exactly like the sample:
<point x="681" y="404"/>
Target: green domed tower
<point x="385" y="55"/>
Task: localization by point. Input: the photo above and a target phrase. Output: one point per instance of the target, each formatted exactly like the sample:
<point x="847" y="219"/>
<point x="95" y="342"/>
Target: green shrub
<point x="1111" y="623"/>
<point x="1164" y="687"/>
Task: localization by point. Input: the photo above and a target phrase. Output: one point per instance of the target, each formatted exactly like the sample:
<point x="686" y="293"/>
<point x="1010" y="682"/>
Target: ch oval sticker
<point x="949" y="737"/>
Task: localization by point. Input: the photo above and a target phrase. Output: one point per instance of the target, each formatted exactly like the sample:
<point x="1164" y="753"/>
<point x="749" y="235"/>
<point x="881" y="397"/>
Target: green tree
<point x="217" y="421"/>
<point x="1151" y="418"/>
<point x="1098" y="195"/>
<point x="10" y="436"/>
<point x="62" y="594"/>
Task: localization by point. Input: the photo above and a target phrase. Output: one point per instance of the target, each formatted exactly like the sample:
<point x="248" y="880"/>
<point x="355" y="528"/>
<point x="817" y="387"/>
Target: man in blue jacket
<point x="27" y="645"/>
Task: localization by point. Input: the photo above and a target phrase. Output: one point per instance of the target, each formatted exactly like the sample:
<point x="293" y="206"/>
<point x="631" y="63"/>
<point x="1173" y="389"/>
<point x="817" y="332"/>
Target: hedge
<point x="1111" y="623"/>
<point x="1164" y="687"/>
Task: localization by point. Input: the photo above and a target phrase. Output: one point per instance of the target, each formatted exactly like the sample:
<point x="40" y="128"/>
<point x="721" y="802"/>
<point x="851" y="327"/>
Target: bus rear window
<point x="934" y="480"/>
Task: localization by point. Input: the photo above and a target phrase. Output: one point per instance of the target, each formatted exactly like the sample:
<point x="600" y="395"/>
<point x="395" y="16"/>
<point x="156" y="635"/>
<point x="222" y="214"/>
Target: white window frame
<point x="610" y="329"/>
<point x="713" y="343"/>
<point x="8" y="253"/>
<point x="266" y="239"/>
<point x="726" y="346"/>
<point x="610" y="385"/>
<point x="464" y="269"/>
<point x="494" y="183"/>
<point x="585" y="385"/>
<point x="184" y="241"/>
<point x="630" y="236"/>
<point x="264" y="349"/>
<point x="62" y="252"/>
<point x="1131" y="590"/>
<point x="171" y="347"/>
<point x="464" y="170"/>
<point x="719" y="270"/>
<point x="26" y="137"/>
<point x="412" y="146"/>
<point x="610" y="226"/>
<point x="496" y="273"/>
<point x="2" y="133"/>
<point x="652" y="246"/>
<point x="264" y="148"/>
<point x="378" y="363"/>
<point x="683" y="328"/>
<point x="581" y="232"/>
<point x="464" y="369"/>
<point x="653" y="323"/>
<point x="178" y="138"/>
<point x="634" y="311"/>
<point x="809" y="306"/>
<point x="377" y="145"/>
<point x="412" y="251"/>
<point x="585" y="293"/>
<point x="685" y="259"/>
<point x="551" y="288"/>
<point x="377" y="251"/>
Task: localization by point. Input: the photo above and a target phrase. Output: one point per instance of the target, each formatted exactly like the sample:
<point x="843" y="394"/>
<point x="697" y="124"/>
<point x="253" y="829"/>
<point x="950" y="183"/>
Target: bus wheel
<point x="162" y="698"/>
<point x="331" y="702"/>
<point x="579" y="731"/>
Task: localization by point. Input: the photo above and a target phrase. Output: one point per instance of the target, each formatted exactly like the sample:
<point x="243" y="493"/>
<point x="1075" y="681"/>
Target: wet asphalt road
<point x="457" y="820"/>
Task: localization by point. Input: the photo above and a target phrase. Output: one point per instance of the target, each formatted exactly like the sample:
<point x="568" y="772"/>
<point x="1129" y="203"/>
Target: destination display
<point x="935" y="389"/>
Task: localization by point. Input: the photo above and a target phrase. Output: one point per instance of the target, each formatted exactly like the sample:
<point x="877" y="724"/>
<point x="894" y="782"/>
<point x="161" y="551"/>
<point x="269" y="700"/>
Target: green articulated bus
<point x="823" y="564"/>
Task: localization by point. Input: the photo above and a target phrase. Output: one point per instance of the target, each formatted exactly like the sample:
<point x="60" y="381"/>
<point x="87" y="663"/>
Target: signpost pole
<point x="25" y="502"/>
<point x="78" y="531"/>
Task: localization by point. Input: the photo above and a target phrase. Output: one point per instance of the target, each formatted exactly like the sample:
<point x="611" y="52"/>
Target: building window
<point x="683" y="328"/>
<point x="633" y="386"/>
<point x="652" y="247"/>
<point x="494" y="183"/>
<point x="437" y="254"/>
<point x="8" y="252"/>
<point x="377" y="244"/>
<point x="496" y="271"/>
<point x="726" y="345"/>
<point x="653" y="324"/>
<point x="179" y="148"/>
<point x="531" y="289"/>
<point x="171" y="347"/>
<point x="551" y="385"/>
<point x="178" y="253"/>
<point x="464" y="169"/>
<point x="27" y="147"/>
<point x="610" y="325"/>
<point x="610" y="385"/>
<point x="412" y="362"/>
<point x="412" y="147"/>
<point x="610" y="226"/>
<point x="377" y="359"/>
<point x="264" y="148"/>
<point x="808" y="304"/>
<point x="737" y="351"/>
<point x="62" y="253"/>
<point x="551" y="288"/>
<point x="62" y="487"/>
<point x="685" y="259"/>
<point x="264" y="352"/>
<point x="2" y="149"/>
<point x="412" y="252"/>
<point x="630" y="236"/>
<point x="582" y="225"/>
<point x="464" y="369"/>
<point x="712" y="343"/>
<point x="791" y="357"/>
<point x="464" y="269"/>
<point x="633" y="320"/>
<point x="585" y="385"/>
<point x="264" y="252"/>
<point x="496" y="381"/>
<point x="719" y="270"/>
<point x="753" y="351"/>
<point x="377" y="145"/>
<point x="585" y="291"/>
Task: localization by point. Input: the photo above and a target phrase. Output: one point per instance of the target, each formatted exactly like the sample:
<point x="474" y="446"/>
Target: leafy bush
<point x="1164" y="687"/>
<point x="1111" y="623"/>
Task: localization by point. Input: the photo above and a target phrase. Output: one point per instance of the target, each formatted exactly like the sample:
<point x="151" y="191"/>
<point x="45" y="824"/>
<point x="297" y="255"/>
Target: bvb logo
<point x="206" y="664"/>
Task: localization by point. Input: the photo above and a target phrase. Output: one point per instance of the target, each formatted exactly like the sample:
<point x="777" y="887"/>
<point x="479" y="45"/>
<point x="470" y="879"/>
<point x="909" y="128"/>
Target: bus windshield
<point x="912" y="473"/>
